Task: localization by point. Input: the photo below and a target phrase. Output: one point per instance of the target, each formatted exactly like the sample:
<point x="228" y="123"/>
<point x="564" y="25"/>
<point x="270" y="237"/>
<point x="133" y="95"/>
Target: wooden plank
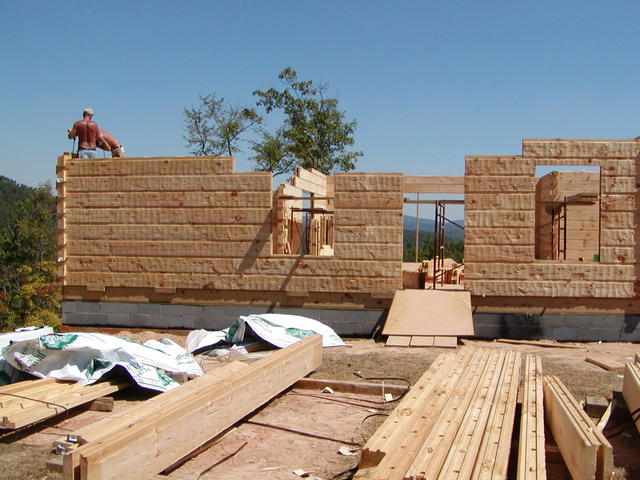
<point x="538" y="344"/>
<point x="58" y="405"/>
<point x="260" y="266"/>
<point x="313" y="176"/>
<point x="248" y="181"/>
<point x="615" y="167"/>
<point x="504" y="218"/>
<point x="112" y="424"/>
<point x="493" y="455"/>
<point x="619" y="185"/>
<point x="551" y="288"/>
<point x="148" y="448"/>
<point x="421" y="341"/>
<point x="368" y="182"/>
<point x="580" y="148"/>
<point x="552" y="270"/>
<point x="465" y="411"/>
<point x="169" y="199"/>
<point x="631" y="390"/>
<point x="500" y="201"/>
<point x="236" y="282"/>
<point x="224" y="249"/>
<point x="531" y="445"/>
<point x="308" y="186"/>
<point x="398" y="341"/>
<point x="606" y="363"/>
<point x="205" y="216"/>
<point x="150" y="166"/>
<point x="368" y="218"/>
<point x="368" y="201"/>
<point x="449" y="393"/>
<point x="401" y="426"/>
<point x="343" y="386"/>
<point x="208" y="233"/>
<point x="615" y="220"/>
<point x="618" y="203"/>
<point x="368" y="251"/>
<point x="499" y="236"/>
<point x="486" y="184"/>
<point x="499" y="253"/>
<point x="366" y="234"/>
<point x="430" y="312"/>
<point x="444" y="341"/>
<point x="433" y="184"/>
<point x="624" y="255"/>
<point x="499" y="165"/>
<point x="586" y="452"/>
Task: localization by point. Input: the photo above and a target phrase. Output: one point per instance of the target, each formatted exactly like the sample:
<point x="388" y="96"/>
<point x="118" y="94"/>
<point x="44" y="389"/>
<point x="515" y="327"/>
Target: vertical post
<point x="417" y="223"/>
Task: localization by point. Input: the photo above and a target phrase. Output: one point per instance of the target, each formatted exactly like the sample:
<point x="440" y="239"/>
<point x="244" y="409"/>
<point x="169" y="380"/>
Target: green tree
<point x="28" y="291"/>
<point x="214" y="128"/>
<point x="314" y="133"/>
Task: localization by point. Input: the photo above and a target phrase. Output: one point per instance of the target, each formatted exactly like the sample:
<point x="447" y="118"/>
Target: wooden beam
<point x="145" y="449"/>
<point x="433" y="184"/>
<point x="343" y="386"/>
<point x="49" y="399"/>
<point x="631" y="390"/>
<point x="531" y="448"/>
<point x="580" y="148"/>
<point x="586" y="452"/>
<point x="151" y="166"/>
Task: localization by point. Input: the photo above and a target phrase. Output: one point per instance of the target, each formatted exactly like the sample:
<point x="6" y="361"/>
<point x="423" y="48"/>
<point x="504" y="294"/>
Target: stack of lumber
<point x="146" y="439"/>
<point x="531" y="453"/>
<point x="585" y="450"/>
<point x="457" y="421"/>
<point x="33" y="401"/>
<point x="428" y="318"/>
<point x="631" y="388"/>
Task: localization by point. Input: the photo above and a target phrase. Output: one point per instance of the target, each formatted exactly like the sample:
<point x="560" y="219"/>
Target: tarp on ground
<point x="277" y="329"/>
<point x="9" y="374"/>
<point x="86" y="357"/>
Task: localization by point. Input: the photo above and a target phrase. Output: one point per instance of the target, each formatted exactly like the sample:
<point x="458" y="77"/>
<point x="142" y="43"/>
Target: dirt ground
<point x="263" y="446"/>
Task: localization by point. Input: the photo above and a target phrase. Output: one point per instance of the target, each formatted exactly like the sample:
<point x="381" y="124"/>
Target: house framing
<point x="187" y="242"/>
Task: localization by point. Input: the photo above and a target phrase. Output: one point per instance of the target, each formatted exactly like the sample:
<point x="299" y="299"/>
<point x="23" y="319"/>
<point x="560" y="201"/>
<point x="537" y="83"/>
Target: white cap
<point x="87" y="111"/>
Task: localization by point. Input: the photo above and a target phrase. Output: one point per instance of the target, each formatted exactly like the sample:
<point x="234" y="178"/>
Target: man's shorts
<point x="87" y="153"/>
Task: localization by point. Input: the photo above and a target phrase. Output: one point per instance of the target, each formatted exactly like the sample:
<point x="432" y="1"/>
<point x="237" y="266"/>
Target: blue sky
<point x="428" y="82"/>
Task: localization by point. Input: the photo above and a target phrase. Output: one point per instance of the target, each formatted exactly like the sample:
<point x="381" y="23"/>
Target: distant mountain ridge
<point x="427" y="225"/>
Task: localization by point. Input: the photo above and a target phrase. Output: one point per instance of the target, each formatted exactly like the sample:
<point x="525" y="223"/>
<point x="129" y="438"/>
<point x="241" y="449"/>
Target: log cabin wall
<point x="501" y="269"/>
<point x="192" y="231"/>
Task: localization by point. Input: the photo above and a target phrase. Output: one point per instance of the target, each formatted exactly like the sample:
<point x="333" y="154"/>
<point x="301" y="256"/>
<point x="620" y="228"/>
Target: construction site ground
<point x="304" y="429"/>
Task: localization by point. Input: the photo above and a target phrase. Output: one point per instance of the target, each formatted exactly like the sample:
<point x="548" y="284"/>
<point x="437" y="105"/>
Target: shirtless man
<point x="87" y="132"/>
<point x="108" y="142"/>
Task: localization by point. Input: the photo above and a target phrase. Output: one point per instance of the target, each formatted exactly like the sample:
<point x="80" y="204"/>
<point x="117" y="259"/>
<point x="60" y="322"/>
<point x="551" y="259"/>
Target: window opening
<point x="436" y="266"/>
<point x="567" y="214"/>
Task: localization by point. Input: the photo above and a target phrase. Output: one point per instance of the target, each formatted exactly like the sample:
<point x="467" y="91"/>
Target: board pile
<point x="33" y="401"/>
<point x="457" y="420"/>
<point x="149" y="437"/>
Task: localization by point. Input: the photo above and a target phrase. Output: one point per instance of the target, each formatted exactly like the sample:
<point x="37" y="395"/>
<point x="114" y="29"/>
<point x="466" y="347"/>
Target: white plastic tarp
<point x="8" y="374"/>
<point x="282" y="330"/>
<point x="85" y="357"/>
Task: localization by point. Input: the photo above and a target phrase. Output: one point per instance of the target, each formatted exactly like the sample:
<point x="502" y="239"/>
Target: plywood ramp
<point x="429" y="317"/>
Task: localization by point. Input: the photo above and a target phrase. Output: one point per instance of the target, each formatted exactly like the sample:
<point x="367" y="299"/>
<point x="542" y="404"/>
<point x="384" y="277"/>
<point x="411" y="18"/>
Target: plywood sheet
<point x="398" y="341"/>
<point x="430" y="312"/>
<point x="421" y="341"/>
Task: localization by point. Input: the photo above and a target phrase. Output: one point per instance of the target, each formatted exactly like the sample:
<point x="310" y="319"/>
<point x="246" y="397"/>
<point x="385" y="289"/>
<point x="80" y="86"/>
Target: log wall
<point x="166" y="225"/>
<point x="500" y="211"/>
